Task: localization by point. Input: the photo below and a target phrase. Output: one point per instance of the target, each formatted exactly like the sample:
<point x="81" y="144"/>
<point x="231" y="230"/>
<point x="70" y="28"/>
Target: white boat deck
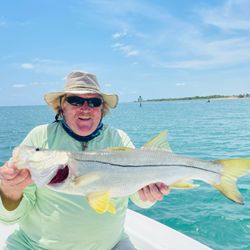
<point x="148" y="234"/>
<point x="145" y="233"/>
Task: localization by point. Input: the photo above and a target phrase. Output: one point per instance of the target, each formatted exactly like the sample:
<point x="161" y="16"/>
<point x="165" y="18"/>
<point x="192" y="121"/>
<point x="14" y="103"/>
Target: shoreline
<point x="228" y="98"/>
<point x="205" y="98"/>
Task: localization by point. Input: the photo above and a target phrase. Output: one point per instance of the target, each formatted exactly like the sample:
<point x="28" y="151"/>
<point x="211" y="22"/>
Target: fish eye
<point x="37" y="149"/>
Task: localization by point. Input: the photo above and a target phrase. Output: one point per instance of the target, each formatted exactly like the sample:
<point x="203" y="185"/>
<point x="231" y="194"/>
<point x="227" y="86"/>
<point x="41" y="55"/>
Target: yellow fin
<point x="183" y="185"/>
<point x="101" y="203"/>
<point x="158" y="142"/>
<point x="232" y="169"/>
<point x="120" y="149"/>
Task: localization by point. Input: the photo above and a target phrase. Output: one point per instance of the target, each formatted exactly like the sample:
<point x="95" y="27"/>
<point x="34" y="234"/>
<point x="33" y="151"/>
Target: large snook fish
<point x="117" y="172"/>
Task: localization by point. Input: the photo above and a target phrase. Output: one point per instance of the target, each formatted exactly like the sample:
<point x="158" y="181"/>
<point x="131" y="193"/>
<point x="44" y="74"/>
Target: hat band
<point x="80" y="88"/>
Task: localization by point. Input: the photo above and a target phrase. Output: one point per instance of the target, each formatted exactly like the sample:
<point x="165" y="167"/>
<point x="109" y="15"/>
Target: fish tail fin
<point x="232" y="170"/>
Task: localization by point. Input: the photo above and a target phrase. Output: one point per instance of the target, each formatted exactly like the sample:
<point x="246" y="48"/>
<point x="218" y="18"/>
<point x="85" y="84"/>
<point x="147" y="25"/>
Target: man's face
<point x="83" y="120"/>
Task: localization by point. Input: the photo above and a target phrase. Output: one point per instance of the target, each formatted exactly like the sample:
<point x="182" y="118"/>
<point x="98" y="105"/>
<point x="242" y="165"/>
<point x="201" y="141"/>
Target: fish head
<point x="26" y="156"/>
<point x="21" y="156"/>
<point x="43" y="164"/>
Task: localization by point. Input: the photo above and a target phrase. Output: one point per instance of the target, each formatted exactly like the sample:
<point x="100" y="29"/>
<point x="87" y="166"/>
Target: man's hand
<point x="12" y="183"/>
<point x="153" y="192"/>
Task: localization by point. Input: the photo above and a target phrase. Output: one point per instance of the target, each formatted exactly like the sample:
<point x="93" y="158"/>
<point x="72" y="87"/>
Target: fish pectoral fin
<point x="86" y="179"/>
<point x="101" y="202"/>
<point x="158" y="142"/>
<point x="184" y="185"/>
<point x="119" y="149"/>
<point x="232" y="169"/>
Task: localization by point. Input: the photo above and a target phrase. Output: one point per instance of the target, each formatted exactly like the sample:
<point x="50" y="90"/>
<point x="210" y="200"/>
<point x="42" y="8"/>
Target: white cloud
<point x="234" y="14"/>
<point x="19" y="86"/>
<point x="127" y="50"/>
<point x="180" y="84"/>
<point x="132" y="52"/>
<point x="209" y="37"/>
<point x="55" y="67"/>
<point x="216" y="53"/>
<point x="119" y="34"/>
<point x="37" y="84"/>
<point x="33" y="84"/>
<point x="3" y="24"/>
<point x="27" y="65"/>
<point x="198" y="46"/>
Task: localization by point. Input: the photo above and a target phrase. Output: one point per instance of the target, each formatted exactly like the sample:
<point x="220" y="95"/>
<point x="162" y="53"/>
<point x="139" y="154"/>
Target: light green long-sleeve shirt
<point x="52" y="220"/>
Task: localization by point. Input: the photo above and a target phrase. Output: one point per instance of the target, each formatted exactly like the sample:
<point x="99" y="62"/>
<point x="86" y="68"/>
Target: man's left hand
<point x="153" y="192"/>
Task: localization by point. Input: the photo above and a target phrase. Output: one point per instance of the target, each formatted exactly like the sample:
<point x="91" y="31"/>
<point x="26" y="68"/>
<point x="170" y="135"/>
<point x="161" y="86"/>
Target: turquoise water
<point x="215" y="130"/>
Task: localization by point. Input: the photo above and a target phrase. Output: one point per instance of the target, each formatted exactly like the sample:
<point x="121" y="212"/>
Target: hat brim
<point x="52" y="98"/>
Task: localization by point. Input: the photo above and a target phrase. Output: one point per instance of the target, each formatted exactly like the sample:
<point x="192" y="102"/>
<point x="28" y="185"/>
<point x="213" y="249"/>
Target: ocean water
<point x="215" y="130"/>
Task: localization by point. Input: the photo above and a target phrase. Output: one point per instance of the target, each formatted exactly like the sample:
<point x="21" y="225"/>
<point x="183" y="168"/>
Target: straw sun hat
<point x="79" y="82"/>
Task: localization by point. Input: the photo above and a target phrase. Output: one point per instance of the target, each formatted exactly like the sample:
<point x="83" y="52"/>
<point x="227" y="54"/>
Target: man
<point x="51" y="220"/>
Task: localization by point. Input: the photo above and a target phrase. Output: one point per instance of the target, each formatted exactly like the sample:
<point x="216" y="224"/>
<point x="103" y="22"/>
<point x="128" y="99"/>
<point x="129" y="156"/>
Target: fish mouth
<point x="61" y="175"/>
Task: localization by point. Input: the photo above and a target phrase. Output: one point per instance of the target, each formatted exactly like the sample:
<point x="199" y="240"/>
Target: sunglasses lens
<point x="94" y="102"/>
<point x="79" y="101"/>
<point x="75" y="100"/>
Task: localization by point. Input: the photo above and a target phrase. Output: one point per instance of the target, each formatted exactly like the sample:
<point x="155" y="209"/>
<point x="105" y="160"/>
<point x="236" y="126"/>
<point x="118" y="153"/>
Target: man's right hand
<point x="12" y="183"/>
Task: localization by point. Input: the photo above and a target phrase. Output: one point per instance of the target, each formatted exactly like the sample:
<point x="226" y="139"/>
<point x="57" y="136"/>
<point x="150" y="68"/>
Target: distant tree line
<point x="244" y="96"/>
<point x="247" y="95"/>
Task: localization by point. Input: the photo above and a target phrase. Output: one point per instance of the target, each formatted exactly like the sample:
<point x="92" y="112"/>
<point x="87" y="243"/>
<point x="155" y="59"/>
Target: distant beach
<point x="208" y="98"/>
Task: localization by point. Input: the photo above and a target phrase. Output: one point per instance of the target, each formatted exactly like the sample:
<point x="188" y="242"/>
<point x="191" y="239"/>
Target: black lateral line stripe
<point x="138" y="166"/>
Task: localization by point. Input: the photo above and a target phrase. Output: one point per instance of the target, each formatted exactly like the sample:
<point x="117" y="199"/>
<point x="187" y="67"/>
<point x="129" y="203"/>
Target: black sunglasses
<point x="79" y="101"/>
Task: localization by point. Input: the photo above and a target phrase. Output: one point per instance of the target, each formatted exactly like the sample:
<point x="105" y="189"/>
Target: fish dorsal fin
<point x="158" y="142"/>
<point x="101" y="202"/>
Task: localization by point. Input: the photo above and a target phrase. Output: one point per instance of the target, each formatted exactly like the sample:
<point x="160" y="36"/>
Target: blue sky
<point x="156" y="49"/>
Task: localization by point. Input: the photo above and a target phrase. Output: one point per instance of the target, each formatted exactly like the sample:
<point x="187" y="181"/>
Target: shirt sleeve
<point x="27" y="203"/>
<point x="29" y="194"/>
<point x="37" y="137"/>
